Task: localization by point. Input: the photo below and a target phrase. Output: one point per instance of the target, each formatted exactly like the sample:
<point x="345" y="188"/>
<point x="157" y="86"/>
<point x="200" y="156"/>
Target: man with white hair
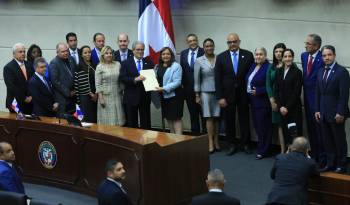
<point x="62" y="69"/>
<point x="216" y="196"/>
<point x="16" y="75"/>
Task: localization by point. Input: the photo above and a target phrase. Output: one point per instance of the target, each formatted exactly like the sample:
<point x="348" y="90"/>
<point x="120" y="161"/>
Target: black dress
<point x="172" y="108"/>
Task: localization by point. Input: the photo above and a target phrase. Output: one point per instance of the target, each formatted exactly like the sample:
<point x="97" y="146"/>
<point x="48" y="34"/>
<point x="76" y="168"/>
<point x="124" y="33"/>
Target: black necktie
<point x="325" y="76"/>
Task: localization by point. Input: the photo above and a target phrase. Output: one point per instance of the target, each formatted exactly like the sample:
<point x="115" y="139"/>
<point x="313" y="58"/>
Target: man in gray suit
<point x="62" y="69"/>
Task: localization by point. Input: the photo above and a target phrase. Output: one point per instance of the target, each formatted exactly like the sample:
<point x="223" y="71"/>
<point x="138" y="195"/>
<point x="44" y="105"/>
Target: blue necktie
<point x="138" y="65"/>
<point x="192" y="60"/>
<point x="235" y="62"/>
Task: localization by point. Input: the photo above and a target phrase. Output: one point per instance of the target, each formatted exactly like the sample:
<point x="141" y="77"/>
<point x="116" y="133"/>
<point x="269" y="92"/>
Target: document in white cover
<point x="150" y="83"/>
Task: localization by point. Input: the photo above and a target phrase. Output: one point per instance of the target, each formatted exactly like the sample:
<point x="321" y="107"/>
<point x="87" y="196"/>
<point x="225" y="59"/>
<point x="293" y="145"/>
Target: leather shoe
<point x="258" y="157"/>
<point x="247" y="150"/>
<point x="326" y="169"/>
<point x="340" y="170"/>
<point x="231" y="151"/>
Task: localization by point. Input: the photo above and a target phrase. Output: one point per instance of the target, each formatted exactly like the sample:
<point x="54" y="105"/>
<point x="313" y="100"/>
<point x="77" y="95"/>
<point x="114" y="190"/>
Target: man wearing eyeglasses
<point x="231" y="68"/>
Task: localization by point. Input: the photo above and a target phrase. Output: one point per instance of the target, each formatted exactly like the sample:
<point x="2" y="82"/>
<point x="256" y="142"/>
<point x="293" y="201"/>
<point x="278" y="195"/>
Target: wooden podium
<point x="162" y="168"/>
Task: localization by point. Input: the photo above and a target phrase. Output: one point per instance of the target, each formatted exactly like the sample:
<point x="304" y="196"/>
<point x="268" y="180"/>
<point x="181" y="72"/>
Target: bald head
<point x="300" y="144"/>
<point x="62" y="50"/>
<point x="6" y="152"/>
<point x="216" y="179"/>
<point x="233" y="42"/>
<point x="123" y="41"/>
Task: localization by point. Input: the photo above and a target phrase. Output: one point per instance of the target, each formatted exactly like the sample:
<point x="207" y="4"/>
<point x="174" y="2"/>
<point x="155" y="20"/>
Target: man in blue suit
<point x="332" y="96"/>
<point x="111" y="191"/>
<point x="187" y="59"/>
<point x="136" y="100"/>
<point x="9" y="179"/>
<point x="99" y="42"/>
<point x="42" y="93"/>
<point x="312" y="62"/>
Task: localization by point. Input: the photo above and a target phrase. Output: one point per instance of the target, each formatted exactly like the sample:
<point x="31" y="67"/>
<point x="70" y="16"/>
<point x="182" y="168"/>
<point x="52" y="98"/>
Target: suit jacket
<point x="309" y="81"/>
<point x="62" y="79"/>
<point x="204" y="80"/>
<point x="17" y="85"/>
<point x="9" y="179"/>
<point x="109" y="193"/>
<point x="259" y="82"/>
<point x="43" y="97"/>
<point x="227" y="83"/>
<point x="116" y="55"/>
<point x="95" y="59"/>
<point x="187" y="72"/>
<point x="332" y="97"/>
<point x="288" y="89"/>
<point x="291" y="173"/>
<point x="134" y="92"/>
<point x="215" y="198"/>
<point x="171" y="80"/>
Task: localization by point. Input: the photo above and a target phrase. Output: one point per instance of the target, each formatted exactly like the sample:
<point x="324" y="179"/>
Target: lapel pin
<point x="242" y="56"/>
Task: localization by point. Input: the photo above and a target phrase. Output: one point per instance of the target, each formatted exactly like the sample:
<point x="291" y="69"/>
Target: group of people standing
<point x="108" y="86"/>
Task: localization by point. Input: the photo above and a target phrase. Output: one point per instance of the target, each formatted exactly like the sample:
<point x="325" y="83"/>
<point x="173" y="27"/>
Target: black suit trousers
<point x="195" y="112"/>
<point x="133" y="112"/>
<point x="243" y="120"/>
<point x="334" y="139"/>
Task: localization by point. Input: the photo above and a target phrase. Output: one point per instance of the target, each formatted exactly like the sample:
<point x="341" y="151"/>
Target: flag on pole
<point x="155" y="27"/>
<point x="14" y="106"/>
<point x="78" y="113"/>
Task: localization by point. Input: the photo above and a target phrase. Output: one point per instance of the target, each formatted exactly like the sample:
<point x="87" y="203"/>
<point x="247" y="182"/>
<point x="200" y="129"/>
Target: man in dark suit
<point x="187" y="59"/>
<point x="99" y="42"/>
<point x="332" y="96"/>
<point x="290" y="173"/>
<point x="136" y="100"/>
<point x="62" y="69"/>
<point x="9" y="179"/>
<point x="123" y="53"/>
<point x="72" y="42"/>
<point x="42" y="92"/>
<point x="216" y="196"/>
<point x="312" y="62"/>
<point x="231" y="69"/>
<point x="16" y="75"/>
<point x="111" y="191"/>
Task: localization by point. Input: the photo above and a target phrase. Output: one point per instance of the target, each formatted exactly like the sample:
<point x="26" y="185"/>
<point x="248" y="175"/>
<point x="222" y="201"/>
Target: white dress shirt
<point x="136" y="60"/>
<point x="189" y="56"/>
<point x="75" y="55"/>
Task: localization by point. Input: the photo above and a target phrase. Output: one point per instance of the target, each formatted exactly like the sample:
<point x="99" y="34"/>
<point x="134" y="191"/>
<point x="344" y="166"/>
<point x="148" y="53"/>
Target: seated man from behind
<point x="41" y="91"/>
<point x="291" y="172"/>
<point x="111" y="191"/>
<point x="9" y="179"/>
<point x="216" y="196"/>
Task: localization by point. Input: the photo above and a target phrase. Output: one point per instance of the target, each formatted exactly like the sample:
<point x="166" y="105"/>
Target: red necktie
<point x="309" y="65"/>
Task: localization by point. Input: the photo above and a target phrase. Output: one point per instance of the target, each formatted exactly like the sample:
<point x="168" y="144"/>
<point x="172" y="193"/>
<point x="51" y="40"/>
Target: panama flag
<point x="155" y="27"/>
<point x="78" y="113"/>
<point x="14" y="105"/>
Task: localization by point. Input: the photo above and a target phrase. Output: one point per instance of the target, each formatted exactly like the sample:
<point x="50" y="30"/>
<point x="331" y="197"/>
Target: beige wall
<point x="259" y="23"/>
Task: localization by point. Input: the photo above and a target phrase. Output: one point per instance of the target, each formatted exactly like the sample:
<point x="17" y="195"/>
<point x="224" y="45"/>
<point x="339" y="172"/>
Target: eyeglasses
<point x="139" y="49"/>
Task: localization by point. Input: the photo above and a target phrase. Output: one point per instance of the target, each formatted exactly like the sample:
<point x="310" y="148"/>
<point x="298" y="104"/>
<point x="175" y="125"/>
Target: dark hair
<point x="161" y="62"/>
<point x="290" y="50"/>
<point x="316" y="39"/>
<point x="82" y="64"/>
<point x="110" y="164"/>
<point x="192" y="35"/>
<point x="97" y="34"/>
<point x="70" y="34"/>
<point x="30" y="50"/>
<point x="330" y="47"/>
<point x="39" y="60"/>
<point x="208" y="39"/>
<point x="278" y="45"/>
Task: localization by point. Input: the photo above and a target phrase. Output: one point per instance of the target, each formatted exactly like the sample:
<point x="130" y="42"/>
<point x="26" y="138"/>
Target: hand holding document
<point x="150" y="83"/>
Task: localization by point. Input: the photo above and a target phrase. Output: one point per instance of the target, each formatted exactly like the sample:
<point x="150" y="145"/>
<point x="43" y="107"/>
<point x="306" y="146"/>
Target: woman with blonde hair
<point x="109" y="89"/>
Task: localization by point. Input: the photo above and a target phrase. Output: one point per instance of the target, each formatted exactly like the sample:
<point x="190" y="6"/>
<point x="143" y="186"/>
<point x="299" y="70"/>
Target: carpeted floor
<point x="247" y="179"/>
